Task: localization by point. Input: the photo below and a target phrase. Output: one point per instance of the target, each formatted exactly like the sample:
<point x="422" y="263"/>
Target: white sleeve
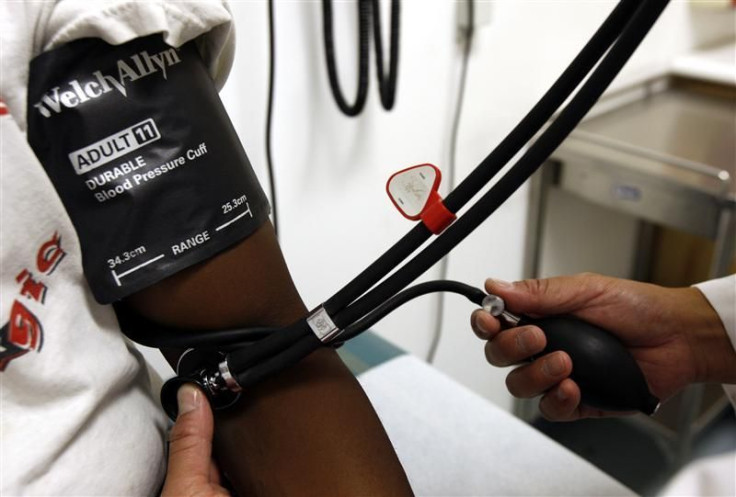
<point x="35" y="27"/>
<point x="120" y="21"/>
<point x="721" y="294"/>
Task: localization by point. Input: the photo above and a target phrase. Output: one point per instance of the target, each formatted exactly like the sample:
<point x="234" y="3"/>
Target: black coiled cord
<point x="368" y="11"/>
<point x="387" y="84"/>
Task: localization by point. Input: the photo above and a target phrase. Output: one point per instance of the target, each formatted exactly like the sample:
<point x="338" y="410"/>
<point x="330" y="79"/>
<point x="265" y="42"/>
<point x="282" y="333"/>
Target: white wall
<point x="330" y="169"/>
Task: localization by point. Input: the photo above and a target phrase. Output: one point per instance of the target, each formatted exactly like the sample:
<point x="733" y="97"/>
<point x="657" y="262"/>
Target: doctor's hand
<point x="192" y="471"/>
<point x="673" y="333"/>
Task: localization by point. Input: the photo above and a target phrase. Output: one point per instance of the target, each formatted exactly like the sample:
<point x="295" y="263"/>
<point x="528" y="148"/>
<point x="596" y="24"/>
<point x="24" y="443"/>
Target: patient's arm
<point x="310" y="430"/>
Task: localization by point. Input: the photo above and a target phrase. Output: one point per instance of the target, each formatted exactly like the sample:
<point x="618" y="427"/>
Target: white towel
<point x="453" y="442"/>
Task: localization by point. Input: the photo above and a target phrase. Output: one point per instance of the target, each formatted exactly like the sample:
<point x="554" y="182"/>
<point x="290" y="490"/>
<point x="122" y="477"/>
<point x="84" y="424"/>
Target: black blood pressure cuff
<point x="140" y="149"/>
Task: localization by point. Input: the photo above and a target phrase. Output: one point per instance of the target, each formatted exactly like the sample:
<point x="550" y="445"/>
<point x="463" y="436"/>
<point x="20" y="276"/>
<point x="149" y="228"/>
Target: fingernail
<point x="554" y="365"/>
<point x="561" y="395"/>
<point x="525" y="341"/>
<point x="498" y="283"/>
<point x="480" y="327"/>
<point x="188" y="398"/>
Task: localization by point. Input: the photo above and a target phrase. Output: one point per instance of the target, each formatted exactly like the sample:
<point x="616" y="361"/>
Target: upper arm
<point x="308" y="429"/>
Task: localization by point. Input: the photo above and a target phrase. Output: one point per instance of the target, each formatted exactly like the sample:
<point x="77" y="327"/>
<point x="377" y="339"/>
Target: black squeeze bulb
<point x="607" y="374"/>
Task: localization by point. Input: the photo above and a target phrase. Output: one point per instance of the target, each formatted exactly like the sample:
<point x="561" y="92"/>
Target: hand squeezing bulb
<point x="608" y="375"/>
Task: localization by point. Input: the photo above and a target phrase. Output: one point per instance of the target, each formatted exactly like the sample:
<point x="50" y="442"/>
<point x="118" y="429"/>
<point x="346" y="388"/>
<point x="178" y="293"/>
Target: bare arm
<point x="309" y="430"/>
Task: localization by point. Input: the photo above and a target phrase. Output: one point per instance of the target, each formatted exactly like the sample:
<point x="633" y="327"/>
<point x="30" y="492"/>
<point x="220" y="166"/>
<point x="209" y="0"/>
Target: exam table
<point x="452" y="442"/>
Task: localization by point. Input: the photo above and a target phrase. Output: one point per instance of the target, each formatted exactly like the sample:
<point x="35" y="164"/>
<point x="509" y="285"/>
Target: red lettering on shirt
<point x="25" y="329"/>
<point x="24" y="332"/>
<point x="50" y="255"/>
<point x="31" y="288"/>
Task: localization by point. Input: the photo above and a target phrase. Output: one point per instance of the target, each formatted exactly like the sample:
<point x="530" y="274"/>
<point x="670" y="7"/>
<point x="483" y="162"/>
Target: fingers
<point x="559" y="295"/>
<point x="541" y="375"/>
<point x="548" y="373"/>
<point x="190" y="447"/>
<point x="510" y="346"/>
<point x="515" y="345"/>
<point x="562" y="402"/>
<point x="484" y="325"/>
<point x="586" y="296"/>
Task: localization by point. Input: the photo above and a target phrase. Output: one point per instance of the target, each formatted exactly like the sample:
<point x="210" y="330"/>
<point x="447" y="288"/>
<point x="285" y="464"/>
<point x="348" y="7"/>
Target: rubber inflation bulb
<point x="607" y="374"/>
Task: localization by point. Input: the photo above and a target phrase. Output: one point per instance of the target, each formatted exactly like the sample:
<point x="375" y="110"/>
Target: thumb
<point x="558" y="295"/>
<point x="190" y="447"/>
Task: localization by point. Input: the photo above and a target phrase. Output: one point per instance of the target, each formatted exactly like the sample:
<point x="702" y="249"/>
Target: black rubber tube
<point x="274" y="344"/>
<point x="505" y="151"/>
<point x="581" y="103"/>
<point x="364" y="7"/>
<point x="560" y="90"/>
<point x="473" y="294"/>
<point x="247" y="372"/>
<point x="247" y="376"/>
<point x="387" y="84"/>
<point x="284" y="359"/>
<point x="159" y="336"/>
<point x="151" y="334"/>
<point x="294" y="342"/>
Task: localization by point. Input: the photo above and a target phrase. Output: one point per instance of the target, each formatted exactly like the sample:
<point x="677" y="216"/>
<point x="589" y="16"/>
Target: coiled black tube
<point x="364" y="8"/>
<point x="368" y="11"/>
<point x="387" y="84"/>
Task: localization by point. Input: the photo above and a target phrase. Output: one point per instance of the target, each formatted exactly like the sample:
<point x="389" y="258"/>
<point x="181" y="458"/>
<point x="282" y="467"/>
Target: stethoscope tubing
<point x="570" y="79"/>
<point x="558" y="130"/>
<point x="636" y="28"/>
<point x="364" y="301"/>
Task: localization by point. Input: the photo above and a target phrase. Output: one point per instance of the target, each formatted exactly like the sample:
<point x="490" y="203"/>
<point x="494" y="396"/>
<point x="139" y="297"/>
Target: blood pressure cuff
<point x="140" y="149"/>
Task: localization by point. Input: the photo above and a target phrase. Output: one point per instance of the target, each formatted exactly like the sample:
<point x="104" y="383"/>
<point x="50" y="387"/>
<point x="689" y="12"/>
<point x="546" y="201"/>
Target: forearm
<point x="309" y="429"/>
<point x="316" y="436"/>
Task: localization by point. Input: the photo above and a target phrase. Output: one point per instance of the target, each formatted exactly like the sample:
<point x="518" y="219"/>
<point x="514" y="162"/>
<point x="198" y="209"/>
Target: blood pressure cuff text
<point x="139" y="147"/>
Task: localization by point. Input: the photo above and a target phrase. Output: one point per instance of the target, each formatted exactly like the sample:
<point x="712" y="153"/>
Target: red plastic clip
<point x="436" y="217"/>
<point x="414" y="193"/>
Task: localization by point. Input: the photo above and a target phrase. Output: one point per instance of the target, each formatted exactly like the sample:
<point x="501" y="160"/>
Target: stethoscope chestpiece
<point x="208" y="371"/>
